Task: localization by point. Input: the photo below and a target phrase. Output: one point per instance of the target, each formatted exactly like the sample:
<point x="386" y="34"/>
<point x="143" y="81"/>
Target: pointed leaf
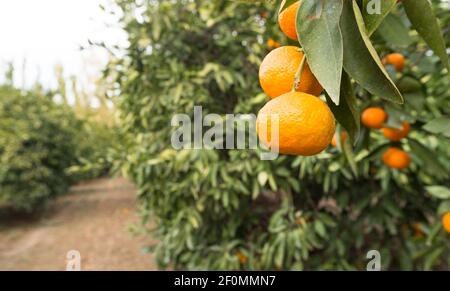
<point x="428" y="157"/>
<point x="346" y="112"/>
<point x="372" y="17"/>
<point x="361" y="61"/>
<point x="394" y="31"/>
<point x="423" y="19"/>
<point x="320" y="36"/>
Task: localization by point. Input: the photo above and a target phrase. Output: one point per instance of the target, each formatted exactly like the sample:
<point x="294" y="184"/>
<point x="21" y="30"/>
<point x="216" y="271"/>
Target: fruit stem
<point x="298" y="74"/>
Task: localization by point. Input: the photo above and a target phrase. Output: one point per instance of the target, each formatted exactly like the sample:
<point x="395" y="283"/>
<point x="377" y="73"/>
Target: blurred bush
<point x="227" y="209"/>
<point x="37" y="145"/>
<point x="44" y="147"/>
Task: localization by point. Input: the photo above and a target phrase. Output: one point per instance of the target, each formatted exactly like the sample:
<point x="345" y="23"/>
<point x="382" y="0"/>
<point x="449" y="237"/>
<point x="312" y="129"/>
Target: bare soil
<point x="95" y="219"/>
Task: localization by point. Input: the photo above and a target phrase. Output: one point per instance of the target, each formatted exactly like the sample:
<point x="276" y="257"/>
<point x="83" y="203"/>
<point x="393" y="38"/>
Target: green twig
<point x="298" y="74"/>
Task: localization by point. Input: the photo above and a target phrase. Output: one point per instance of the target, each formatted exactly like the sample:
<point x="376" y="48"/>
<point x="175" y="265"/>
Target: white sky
<point x="50" y="32"/>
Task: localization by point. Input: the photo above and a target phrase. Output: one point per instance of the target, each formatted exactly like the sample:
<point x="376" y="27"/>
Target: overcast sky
<point x="50" y="32"/>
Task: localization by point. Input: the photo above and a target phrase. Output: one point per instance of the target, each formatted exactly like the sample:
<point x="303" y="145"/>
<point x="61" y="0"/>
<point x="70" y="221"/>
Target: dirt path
<point x="93" y="219"/>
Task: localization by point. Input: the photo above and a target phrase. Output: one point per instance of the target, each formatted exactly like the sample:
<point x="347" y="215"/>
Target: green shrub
<point x="227" y="209"/>
<point x="36" y="146"/>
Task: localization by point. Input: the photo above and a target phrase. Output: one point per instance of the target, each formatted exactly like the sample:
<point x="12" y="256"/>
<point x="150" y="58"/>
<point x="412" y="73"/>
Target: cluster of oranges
<point x="306" y="124"/>
<point x="375" y="117"/>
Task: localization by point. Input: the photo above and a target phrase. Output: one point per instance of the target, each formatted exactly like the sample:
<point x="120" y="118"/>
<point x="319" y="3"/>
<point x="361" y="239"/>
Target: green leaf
<point x="320" y="228"/>
<point x="372" y="18"/>
<point x="444" y="207"/>
<point x="361" y="61"/>
<point x="394" y="31"/>
<point x="440" y="192"/>
<point x="439" y="126"/>
<point x="428" y="157"/>
<point x="423" y="19"/>
<point x="346" y="112"/>
<point x="408" y="84"/>
<point x="262" y="178"/>
<point x="321" y="36"/>
<point x="348" y="153"/>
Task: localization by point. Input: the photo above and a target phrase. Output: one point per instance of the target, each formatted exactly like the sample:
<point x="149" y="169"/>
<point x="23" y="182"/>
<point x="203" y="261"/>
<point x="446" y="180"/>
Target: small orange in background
<point x="446" y="222"/>
<point x="278" y="69"/>
<point x="374" y="117"/>
<point x="242" y="258"/>
<point x="395" y="134"/>
<point x="418" y="233"/>
<point x="396" y="158"/>
<point x="264" y="14"/>
<point x="343" y="138"/>
<point x="395" y="59"/>
<point x="287" y="20"/>
<point x="272" y="44"/>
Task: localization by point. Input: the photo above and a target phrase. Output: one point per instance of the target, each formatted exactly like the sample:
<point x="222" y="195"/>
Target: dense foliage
<point x="36" y="146"/>
<point x="227" y="209"/>
<point x="44" y="148"/>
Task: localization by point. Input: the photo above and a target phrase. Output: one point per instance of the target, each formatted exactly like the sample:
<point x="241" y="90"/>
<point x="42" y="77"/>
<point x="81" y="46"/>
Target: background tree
<point x="227" y="209"/>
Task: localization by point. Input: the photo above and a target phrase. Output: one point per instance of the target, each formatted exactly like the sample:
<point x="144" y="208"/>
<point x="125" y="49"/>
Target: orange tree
<point x="227" y="209"/>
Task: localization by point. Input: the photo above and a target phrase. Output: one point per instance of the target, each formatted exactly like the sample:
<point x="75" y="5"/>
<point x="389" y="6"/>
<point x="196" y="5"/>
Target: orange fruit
<point x="264" y="14"/>
<point x="278" y="69"/>
<point x="287" y="20"/>
<point x="396" y="158"/>
<point x="395" y="134"/>
<point x="272" y="43"/>
<point x="373" y="117"/>
<point x="397" y="60"/>
<point x="305" y="124"/>
<point x="242" y="258"/>
<point x="343" y="138"/>
<point x="446" y="221"/>
<point x="418" y="233"/>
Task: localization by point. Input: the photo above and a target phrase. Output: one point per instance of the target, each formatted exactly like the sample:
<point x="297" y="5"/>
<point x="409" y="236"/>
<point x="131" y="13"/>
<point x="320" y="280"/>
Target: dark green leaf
<point x="321" y="39"/>
<point x="346" y="112"/>
<point x="361" y="61"/>
<point x="423" y="19"/>
<point x="371" y="17"/>
<point x="428" y="157"/>
<point x="439" y="126"/>
<point x="394" y="31"/>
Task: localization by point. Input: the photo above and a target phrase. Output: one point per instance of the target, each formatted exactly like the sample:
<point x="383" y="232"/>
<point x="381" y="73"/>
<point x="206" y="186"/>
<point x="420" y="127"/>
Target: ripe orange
<point x="395" y="134"/>
<point x="242" y="258"/>
<point x="373" y="117"/>
<point x="343" y="138"/>
<point x="278" y="69"/>
<point x="446" y="221"/>
<point x="287" y="20"/>
<point x="396" y="158"/>
<point x="272" y="43"/>
<point x="418" y="233"/>
<point x="397" y="60"/>
<point x="306" y="124"/>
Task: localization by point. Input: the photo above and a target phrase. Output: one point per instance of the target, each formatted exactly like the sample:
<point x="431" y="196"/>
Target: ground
<point x="95" y="219"/>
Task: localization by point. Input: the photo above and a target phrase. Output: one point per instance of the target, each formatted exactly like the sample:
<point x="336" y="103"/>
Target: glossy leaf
<point x="372" y="17"/>
<point x="320" y="36"/>
<point x="361" y="61"/>
<point x="346" y="112"/>
<point x="423" y="19"/>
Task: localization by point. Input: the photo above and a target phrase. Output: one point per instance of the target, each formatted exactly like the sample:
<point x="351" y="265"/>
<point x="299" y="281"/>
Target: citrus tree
<point x="37" y="144"/>
<point x="45" y="147"/>
<point x="380" y="185"/>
